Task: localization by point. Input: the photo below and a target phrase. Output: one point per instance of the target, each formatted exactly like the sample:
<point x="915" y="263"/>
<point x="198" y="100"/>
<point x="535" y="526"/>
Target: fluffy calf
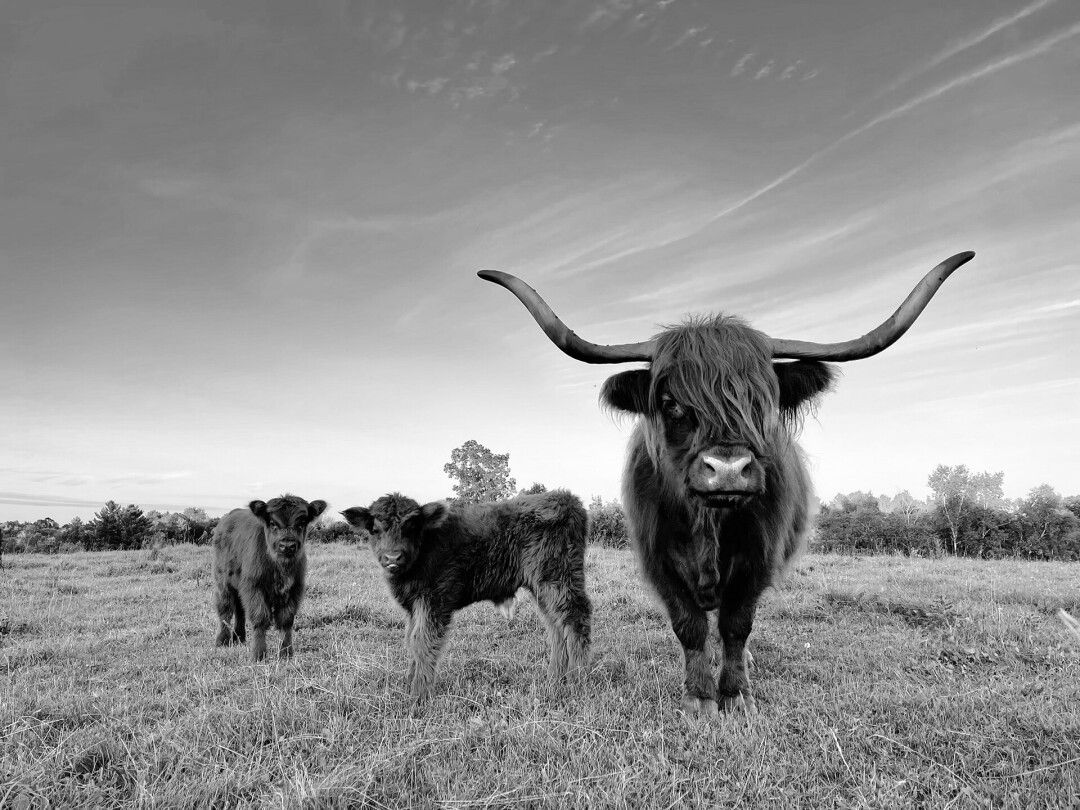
<point x="437" y="559"/>
<point x="260" y="563"/>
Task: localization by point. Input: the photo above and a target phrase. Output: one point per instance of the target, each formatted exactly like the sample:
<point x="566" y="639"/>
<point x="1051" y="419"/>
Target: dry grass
<point x="881" y="682"/>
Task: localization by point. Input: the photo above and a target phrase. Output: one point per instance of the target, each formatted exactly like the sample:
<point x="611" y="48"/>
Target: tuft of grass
<point x="881" y="682"/>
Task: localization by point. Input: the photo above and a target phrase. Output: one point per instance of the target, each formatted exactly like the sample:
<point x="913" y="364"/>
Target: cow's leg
<point x="735" y="620"/>
<point x="240" y="628"/>
<point x="547" y="603"/>
<point x="260" y="622"/>
<point x="568" y="613"/>
<point x="691" y="626"/>
<point x="692" y="630"/>
<point x="223" y="605"/>
<point x="430" y="627"/>
<point x="284" y="618"/>
<point x="284" y="621"/>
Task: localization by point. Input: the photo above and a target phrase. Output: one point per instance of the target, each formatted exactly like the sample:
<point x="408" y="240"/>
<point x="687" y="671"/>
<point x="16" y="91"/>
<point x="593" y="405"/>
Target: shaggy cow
<point x="260" y="563"/>
<point x="715" y="489"/>
<point x="437" y="559"/>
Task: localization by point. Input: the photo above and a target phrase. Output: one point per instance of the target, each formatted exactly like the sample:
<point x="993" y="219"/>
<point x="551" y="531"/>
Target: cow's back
<point x="238" y="544"/>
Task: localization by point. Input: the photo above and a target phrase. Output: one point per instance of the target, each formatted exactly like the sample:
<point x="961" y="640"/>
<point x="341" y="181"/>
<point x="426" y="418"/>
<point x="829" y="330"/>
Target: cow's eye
<point x="672" y="408"/>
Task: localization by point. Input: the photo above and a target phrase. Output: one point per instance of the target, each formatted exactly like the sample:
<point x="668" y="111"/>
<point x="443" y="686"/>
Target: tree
<point x="904" y="504"/>
<point x="535" y="489"/>
<point x="956" y="490"/>
<point x="1047" y="528"/>
<point x="480" y="474"/>
<point x="74" y="532"/>
<point x="118" y="526"/>
<point x="607" y="524"/>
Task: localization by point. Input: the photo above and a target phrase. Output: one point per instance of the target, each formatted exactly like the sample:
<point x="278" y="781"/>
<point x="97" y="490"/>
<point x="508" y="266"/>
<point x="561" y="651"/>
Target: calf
<point x="260" y="563"/>
<point x="437" y="559"/>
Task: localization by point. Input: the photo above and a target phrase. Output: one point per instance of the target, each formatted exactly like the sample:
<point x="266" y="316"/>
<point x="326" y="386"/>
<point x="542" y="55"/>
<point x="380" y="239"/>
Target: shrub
<point x="607" y="524"/>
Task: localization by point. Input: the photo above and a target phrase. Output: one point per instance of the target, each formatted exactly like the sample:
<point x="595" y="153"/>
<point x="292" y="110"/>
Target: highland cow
<point x="715" y="488"/>
<point x="438" y="559"/>
<point x="260" y="566"/>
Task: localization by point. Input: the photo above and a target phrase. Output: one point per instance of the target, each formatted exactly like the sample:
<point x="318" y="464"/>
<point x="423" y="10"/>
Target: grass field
<point x="881" y="682"/>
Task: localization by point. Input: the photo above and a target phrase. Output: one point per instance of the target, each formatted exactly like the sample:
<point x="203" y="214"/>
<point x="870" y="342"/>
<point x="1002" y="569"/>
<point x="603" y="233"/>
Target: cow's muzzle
<point x="726" y="477"/>
<point x="392" y="561"/>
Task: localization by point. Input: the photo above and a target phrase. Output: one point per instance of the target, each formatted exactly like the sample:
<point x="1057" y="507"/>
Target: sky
<point x="239" y="240"/>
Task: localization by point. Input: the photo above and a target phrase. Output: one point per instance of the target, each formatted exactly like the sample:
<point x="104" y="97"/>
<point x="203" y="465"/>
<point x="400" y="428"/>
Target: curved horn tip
<point x="490" y="275"/>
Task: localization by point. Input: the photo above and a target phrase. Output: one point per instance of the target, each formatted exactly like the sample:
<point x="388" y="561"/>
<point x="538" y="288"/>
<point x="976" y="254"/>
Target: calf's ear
<point x="434" y="514"/>
<point x="429" y="516"/>
<point x="627" y="391"/>
<point x="258" y="508"/>
<point x="315" y="508"/>
<point x="802" y="381"/>
<point x="357" y="516"/>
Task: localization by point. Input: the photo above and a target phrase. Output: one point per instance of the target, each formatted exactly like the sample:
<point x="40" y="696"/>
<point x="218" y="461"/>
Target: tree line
<point x="965" y="515"/>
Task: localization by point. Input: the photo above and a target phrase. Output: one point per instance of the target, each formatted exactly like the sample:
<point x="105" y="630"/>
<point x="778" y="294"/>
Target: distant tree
<point x="855" y="500"/>
<point x="74" y="532"/>
<point x="956" y="490"/>
<point x="904" y="504"/>
<point x="135" y="526"/>
<point x="480" y="474"/>
<point x="1072" y="503"/>
<point x="535" y="489"/>
<point x="607" y="524"/>
<point x="105" y="528"/>
<point x="1047" y="529"/>
<point x="118" y="527"/>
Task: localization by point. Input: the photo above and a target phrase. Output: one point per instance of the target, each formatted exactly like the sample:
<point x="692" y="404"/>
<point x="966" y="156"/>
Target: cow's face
<point x="714" y="403"/>
<point x="396" y="525"/>
<point x="286" y="521"/>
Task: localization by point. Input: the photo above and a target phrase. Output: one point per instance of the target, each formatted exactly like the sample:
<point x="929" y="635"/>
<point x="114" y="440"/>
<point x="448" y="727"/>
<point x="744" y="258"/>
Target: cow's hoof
<point x="742" y="703"/>
<point x="700" y="707"/>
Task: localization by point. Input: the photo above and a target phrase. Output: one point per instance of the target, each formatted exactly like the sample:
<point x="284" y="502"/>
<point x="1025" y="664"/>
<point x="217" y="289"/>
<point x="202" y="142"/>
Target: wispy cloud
<point x="1037" y="49"/>
<point x="963" y="44"/>
<point x="740" y="66"/>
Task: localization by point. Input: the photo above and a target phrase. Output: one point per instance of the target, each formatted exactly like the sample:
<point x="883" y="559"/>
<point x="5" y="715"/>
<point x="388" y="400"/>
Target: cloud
<point x="34" y="499"/>
<point x="740" y="66"/>
<point x="1037" y="49"/>
<point x="964" y="44"/>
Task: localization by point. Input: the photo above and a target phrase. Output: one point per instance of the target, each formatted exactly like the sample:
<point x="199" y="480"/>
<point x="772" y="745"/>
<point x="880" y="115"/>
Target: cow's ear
<point x="315" y="508"/>
<point x="627" y="391"/>
<point x="802" y="381"/>
<point x="434" y="514"/>
<point x="359" y="517"/>
<point x="258" y="509"/>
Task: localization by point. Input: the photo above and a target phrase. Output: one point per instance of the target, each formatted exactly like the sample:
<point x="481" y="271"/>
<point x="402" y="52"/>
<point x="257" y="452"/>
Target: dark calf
<point x="260" y="564"/>
<point x="437" y="559"/>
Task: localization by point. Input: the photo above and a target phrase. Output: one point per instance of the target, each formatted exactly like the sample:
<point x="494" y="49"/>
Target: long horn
<point x="885" y="335"/>
<point x="560" y="334"/>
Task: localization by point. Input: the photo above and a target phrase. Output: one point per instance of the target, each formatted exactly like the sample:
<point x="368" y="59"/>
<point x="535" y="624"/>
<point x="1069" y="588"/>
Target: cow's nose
<point x="728" y="471"/>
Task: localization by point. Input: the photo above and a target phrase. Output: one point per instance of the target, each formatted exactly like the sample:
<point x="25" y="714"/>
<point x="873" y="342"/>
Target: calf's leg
<point x="227" y="605"/>
<point x="430" y="626"/>
<point x="260" y="622"/>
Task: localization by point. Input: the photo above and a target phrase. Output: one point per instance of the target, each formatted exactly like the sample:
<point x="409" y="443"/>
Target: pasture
<point x="881" y="682"/>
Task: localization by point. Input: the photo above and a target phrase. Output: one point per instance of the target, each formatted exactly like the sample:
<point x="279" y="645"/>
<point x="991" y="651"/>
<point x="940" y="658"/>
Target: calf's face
<point x="396" y="537"/>
<point x="285" y="523"/>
